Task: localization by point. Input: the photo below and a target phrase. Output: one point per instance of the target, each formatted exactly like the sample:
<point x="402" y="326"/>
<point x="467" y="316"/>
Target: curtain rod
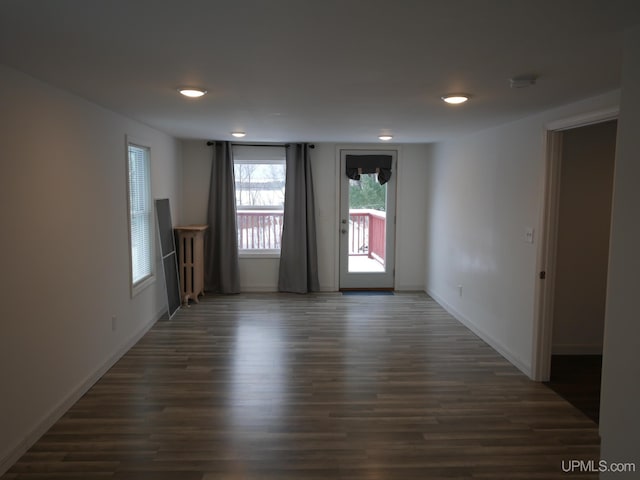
<point x="212" y="142"/>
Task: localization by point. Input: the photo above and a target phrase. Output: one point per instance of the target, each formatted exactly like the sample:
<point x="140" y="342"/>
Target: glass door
<point x="367" y="227"/>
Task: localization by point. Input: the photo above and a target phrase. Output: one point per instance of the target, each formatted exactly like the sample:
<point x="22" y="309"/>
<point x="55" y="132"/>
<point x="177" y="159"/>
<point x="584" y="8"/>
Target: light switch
<point x="528" y="235"/>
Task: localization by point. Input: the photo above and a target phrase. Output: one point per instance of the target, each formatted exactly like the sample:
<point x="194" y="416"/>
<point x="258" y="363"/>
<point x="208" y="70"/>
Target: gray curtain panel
<point x="298" y="256"/>
<point x="222" y="272"/>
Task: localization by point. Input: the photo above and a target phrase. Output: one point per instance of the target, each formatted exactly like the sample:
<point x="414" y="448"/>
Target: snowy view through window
<point x="259" y="203"/>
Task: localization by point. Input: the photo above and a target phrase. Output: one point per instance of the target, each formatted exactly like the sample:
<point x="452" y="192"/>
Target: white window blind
<point x="140" y="212"/>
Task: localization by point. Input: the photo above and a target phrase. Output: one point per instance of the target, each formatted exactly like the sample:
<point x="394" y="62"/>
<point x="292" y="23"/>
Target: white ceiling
<point x="319" y="70"/>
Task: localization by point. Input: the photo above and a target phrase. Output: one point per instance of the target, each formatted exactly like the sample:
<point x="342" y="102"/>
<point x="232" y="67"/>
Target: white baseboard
<point x="328" y="288"/>
<point x="61" y="408"/>
<point x="409" y="288"/>
<point x="571" y="349"/>
<point x="487" y="338"/>
<point x="258" y="289"/>
<point x="274" y="289"/>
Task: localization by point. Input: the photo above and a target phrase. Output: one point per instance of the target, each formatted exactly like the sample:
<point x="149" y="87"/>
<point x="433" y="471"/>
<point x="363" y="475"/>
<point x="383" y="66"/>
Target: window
<point x="140" y="217"/>
<point x="259" y="181"/>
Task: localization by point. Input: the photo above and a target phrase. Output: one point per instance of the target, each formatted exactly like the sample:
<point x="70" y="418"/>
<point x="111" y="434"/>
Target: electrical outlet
<point x="114" y="323"/>
<point x="460" y="290"/>
<point x="528" y="235"/>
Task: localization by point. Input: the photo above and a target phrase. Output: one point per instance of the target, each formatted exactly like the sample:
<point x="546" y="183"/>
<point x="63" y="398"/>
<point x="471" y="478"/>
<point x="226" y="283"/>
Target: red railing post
<point x="377" y="233"/>
<point x="371" y="239"/>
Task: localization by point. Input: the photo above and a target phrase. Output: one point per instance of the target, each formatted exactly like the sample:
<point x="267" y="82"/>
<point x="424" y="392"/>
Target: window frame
<point x="256" y="158"/>
<point x="140" y="284"/>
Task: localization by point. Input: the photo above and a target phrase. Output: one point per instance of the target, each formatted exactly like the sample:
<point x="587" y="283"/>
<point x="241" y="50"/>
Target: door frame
<point x="391" y="252"/>
<point x="548" y="228"/>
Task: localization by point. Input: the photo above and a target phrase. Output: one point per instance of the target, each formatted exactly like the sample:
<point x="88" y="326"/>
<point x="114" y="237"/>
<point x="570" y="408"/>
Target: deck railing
<point x="367" y="233"/>
<point x="263" y="230"/>
<point x="259" y="229"/>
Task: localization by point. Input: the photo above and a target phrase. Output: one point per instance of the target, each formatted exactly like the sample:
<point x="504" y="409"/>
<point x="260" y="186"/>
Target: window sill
<point x="259" y="253"/>
<point x="142" y="285"/>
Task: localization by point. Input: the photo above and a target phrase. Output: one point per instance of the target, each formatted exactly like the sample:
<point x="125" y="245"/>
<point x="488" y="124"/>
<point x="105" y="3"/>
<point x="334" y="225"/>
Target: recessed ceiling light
<point x="455" y="98"/>
<point x="385" y="138"/>
<point x="238" y="134"/>
<point x="192" y="92"/>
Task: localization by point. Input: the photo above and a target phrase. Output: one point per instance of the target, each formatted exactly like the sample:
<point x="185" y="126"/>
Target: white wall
<point x="584" y="224"/>
<point x="327" y="192"/>
<point x="485" y="189"/>
<point x="196" y="176"/>
<point x="620" y="397"/>
<point x="65" y="247"/>
<point x="262" y="274"/>
<point x="411" y="221"/>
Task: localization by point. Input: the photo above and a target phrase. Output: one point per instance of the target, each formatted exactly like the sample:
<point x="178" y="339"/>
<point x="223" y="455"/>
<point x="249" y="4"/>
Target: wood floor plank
<point x="321" y="386"/>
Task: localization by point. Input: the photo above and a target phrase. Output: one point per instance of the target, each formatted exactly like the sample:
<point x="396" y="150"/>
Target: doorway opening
<point x="574" y="253"/>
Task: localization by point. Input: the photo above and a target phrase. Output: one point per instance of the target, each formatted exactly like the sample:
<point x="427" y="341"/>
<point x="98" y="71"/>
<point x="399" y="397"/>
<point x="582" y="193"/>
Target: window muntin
<point x="140" y="216"/>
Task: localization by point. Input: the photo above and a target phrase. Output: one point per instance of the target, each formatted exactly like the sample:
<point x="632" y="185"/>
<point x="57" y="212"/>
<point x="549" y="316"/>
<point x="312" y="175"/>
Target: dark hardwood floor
<point x="576" y="378"/>
<point x="283" y="386"/>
